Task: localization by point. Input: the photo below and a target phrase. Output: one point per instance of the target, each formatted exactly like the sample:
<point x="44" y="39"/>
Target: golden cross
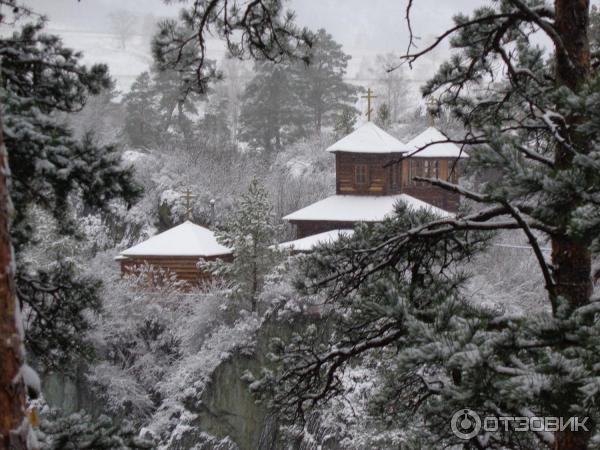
<point x="431" y="105"/>
<point x="369" y="96"/>
<point x="188" y="196"/>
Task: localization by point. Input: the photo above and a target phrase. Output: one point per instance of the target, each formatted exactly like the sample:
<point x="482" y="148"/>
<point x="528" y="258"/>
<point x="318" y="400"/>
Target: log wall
<point x="395" y="178"/>
<point x="380" y="180"/>
<point x="184" y="267"/>
<point x="306" y="228"/>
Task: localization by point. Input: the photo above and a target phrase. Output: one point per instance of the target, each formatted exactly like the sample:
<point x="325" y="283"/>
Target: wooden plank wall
<point x="435" y="196"/>
<point x="378" y="181"/>
<point x="183" y="266"/>
<point x="444" y="169"/>
<point x="309" y="227"/>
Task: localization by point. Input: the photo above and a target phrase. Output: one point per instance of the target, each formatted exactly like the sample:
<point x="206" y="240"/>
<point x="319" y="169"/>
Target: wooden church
<point x="177" y="250"/>
<point x="374" y="171"/>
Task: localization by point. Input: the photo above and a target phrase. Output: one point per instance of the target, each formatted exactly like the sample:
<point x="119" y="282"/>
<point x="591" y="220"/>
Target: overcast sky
<point x="364" y="28"/>
<point x="376" y="25"/>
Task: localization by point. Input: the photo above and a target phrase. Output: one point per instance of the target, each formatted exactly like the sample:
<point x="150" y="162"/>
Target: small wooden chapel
<point x="374" y="171"/>
<point x="177" y="250"/>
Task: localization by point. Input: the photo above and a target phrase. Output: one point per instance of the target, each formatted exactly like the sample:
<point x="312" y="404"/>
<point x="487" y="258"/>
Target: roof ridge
<point x="369" y="138"/>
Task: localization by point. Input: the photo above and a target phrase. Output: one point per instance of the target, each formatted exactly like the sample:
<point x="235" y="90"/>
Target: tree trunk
<point x="572" y="260"/>
<point x="319" y="119"/>
<point x="12" y="388"/>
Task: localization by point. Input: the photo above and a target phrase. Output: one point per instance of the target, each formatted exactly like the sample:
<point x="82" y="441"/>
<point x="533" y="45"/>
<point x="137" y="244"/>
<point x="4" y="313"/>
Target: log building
<point x="374" y="171"/>
<point x="177" y="250"/>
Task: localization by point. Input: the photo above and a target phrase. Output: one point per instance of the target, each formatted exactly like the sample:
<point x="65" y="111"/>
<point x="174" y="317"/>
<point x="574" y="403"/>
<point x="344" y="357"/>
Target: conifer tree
<point x="52" y="170"/>
<point x="270" y="109"/>
<point x="81" y="431"/>
<point x="142" y="121"/>
<point x="383" y="116"/>
<point x="175" y="105"/>
<point x="251" y="234"/>
<point x="319" y="82"/>
<point x="214" y="136"/>
<point x="345" y="122"/>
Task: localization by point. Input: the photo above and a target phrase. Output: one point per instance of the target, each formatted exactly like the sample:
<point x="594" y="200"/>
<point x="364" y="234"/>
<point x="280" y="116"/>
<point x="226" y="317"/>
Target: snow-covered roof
<point x="369" y="138"/>
<point x="359" y="208"/>
<point x="441" y="150"/>
<point x="187" y="239"/>
<point x="308" y="243"/>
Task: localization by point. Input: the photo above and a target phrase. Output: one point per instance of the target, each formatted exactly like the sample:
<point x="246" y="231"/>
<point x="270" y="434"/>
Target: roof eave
<point x="373" y="152"/>
<point x="205" y="255"/>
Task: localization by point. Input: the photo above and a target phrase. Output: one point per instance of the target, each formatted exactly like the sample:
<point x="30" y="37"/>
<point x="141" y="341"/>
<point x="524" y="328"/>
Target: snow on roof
<point x="187" y="239"/>
<point x="359" y="208"/>
<point x="441" y="150"/>
<point x="369" y="138"/>
<point x="308" y="243"/>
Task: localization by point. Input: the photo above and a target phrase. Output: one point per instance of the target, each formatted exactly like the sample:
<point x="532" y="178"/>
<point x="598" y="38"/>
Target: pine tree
<point x="213" y="135"/>
<point x="320" y="83"/>
<point x="176" y="106"/>
<point x="81" y="431"/>
<point x="54" y="171"/>
<point x="269" y="108"/>
<point x="383" y="116"/>
<point x="142" y="121"/>
<point x="251" y="234"/>
<point x="271" y="36"/>
<point x="297" y="97"/>
<point x="345" y="122"/>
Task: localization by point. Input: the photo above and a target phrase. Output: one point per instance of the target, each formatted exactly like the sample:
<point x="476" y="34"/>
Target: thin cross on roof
<point x="188" y="196"/>
<point x="369" y="96"/>
<point x="431" y="107"/>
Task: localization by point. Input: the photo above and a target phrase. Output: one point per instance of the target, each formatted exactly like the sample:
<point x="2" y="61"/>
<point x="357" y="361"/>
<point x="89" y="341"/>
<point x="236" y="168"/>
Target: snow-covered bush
<point x="81" y="431"/>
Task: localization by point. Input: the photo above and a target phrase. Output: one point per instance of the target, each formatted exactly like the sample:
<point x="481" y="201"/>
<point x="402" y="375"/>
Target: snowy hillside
<point x="125" y="64"/>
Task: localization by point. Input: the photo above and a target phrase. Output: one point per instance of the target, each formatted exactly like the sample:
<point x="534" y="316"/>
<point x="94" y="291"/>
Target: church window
<point x="416" y="170"/>
<point x="394" y="175"/>
<point x="360" y="174"/>
<point x="432" y="169"/>
<point x="453" y="168"/>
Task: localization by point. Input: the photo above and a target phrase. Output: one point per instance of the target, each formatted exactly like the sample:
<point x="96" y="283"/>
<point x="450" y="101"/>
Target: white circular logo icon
<point x="465" y="424"/>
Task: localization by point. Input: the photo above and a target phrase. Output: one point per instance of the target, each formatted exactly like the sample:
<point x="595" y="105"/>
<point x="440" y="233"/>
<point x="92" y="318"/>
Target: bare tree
<point x="122" y="22"/>
<point x="392" y="84"/>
